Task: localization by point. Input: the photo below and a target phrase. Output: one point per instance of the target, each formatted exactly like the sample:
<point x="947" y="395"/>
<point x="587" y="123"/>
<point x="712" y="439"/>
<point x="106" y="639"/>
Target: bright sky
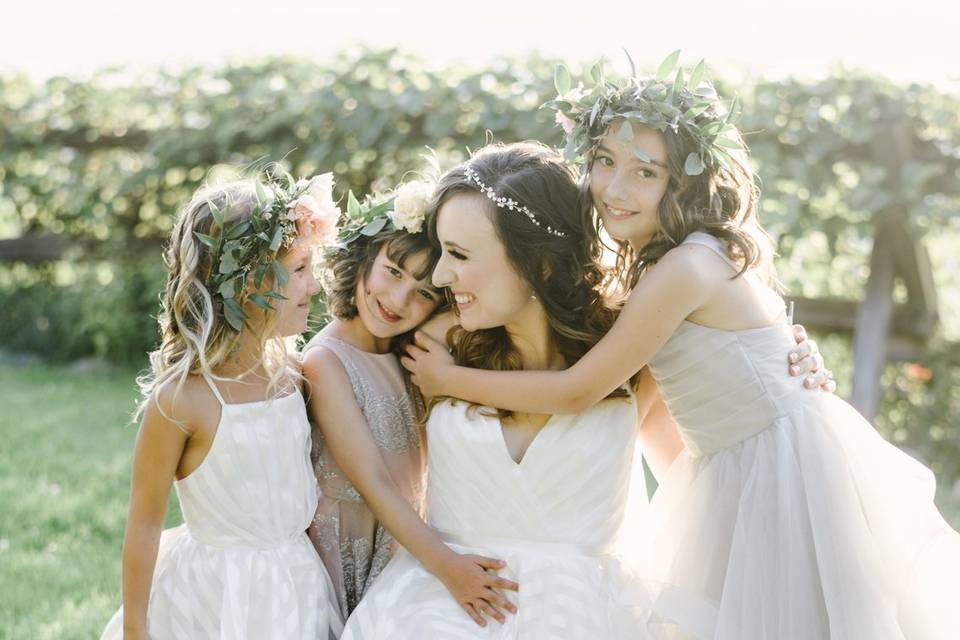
<point x="914" y="40"/>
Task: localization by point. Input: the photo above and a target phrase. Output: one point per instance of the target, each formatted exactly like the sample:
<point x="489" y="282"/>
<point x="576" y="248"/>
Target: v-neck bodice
<point x="570" y="486"/>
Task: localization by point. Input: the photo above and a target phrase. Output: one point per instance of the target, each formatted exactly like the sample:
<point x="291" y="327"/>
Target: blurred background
<point x="111" y="115"/>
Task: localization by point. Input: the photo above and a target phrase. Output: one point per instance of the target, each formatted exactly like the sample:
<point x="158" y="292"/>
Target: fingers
<point x="413" y="351"/>
<point x="829" y="386"/>
<point x="472" y="612"/>
<point x="408" y="363"/>
<point x="490" y="610"/>
<point x="488" y="563"/>
<point x="497" y="600"/>
<point x="506" y="585"/>
<point x="799" y="333"/>
<point x="821" y="378"/>
<point x="810" y="364"/>
<point x="800" y="352"/>
<point x="427" y="342"/>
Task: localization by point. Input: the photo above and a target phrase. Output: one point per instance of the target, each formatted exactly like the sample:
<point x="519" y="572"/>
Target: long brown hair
<point x="721" y="201"/>
<point x="564" y="273"/>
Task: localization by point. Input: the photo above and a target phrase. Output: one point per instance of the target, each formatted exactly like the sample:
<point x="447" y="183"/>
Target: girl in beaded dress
<point x="368" y="446"/>
<point x="787" y="516"/>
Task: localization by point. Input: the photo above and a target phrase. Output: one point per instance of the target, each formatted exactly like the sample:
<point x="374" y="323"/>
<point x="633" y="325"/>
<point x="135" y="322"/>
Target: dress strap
<point x="711" y="242"/>
<point x="213" y="388"/>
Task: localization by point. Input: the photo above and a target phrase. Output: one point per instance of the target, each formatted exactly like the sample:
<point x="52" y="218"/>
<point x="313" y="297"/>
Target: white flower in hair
<point x="410" y="206"/>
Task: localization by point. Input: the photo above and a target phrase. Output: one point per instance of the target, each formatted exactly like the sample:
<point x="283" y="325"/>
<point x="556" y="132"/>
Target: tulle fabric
<point x="787" y="516"/>
<point x="241" y="566"/>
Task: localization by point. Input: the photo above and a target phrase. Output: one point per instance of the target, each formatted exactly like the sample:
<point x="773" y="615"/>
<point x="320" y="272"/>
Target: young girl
<point x="225" y="422"/>
<point x="787" y="517"/>
<point x="368" y="452"/>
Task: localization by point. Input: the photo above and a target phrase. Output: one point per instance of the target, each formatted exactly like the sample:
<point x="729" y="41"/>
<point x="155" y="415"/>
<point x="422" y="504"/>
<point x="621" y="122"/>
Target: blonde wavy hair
<point x="194" y="336"/>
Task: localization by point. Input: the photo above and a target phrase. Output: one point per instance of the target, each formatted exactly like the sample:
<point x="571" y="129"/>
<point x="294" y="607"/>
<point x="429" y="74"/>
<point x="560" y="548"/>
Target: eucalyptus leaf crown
<point x="283" y="211"/>
<point x="679" y="104"/>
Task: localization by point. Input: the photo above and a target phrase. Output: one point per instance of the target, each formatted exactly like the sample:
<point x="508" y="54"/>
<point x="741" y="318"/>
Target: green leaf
<point x="233" y="314"/>
<point x="668" y="65"/>
<point x="228" y="288"/>
<point x="205" y="239"/>
<point x="697" y="109"/>
<point x="728" y="143"/>
<point x="261" y="302"/>
<point x="640" y="154"/>
<point x="561" y="79"/>
<point x="259" y="275"/>
<point x="216" y="213"/>
<point x="228" y="264"/>
<point x="277" y="239"/>
<point x="694" y="165"/>
<point x="275" y="295"/>
<point x="238" y="230"/>
<point x="280" y="273"/>
<point x="678" y="82"/>
<point x="625" y="134"/>
<point x="697" y="75"/>
<point x="735" y="109"/>
<point x="262" y="198"/>
<point x="373" y="227"/>
<point x="594" y="111"/>
<point x="353" y="205"/>
<point x="596" y="72"/>
<point x="383" y="207"/>
<point x="633" y="67"/>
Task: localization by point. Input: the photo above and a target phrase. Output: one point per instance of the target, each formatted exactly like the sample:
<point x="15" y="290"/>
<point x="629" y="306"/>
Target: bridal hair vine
<point x="508" y="203"/>
<point x="690" y="105"/>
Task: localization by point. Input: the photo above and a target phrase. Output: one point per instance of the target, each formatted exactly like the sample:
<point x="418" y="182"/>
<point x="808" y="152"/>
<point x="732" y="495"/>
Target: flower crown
<point x="403" y="208"/>
<point x="284" y="212"/>
<point x="658" y="102"/>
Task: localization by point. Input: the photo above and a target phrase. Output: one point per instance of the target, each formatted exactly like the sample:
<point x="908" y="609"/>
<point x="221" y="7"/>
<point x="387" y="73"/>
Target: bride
<point x="547" y="494"/>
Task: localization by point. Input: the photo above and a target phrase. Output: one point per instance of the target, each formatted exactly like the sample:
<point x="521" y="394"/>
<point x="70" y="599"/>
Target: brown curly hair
<point x="565" y="274"/>
<point x="721" y="201"/>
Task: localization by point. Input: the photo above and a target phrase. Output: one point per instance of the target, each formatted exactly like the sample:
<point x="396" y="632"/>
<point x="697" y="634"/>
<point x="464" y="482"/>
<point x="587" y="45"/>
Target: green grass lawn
<point x="64" y="480"/>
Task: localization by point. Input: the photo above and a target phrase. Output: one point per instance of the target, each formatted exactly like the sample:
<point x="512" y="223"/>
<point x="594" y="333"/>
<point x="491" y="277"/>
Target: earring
<point x="533" y="296"/>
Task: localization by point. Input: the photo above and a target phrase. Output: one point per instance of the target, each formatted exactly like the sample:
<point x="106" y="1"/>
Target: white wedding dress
<point x="554" y="518"/>
<point x="241" y="566"/>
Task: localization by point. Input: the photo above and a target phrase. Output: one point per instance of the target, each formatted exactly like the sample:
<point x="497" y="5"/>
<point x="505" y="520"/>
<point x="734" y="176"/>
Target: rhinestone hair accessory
<point x="508" y="203"/>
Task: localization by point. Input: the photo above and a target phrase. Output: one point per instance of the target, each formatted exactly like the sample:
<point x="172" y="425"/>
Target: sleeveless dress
<point x="554" y="518"/>
<point x="353" y="544"/>
<point x="787" y="516"/>
<point x="241" y="566"/>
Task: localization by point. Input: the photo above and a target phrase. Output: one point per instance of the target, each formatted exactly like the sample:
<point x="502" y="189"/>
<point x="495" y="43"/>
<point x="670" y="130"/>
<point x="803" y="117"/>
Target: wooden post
<point x="872" y="329"/>
<point x="874" y="315"/>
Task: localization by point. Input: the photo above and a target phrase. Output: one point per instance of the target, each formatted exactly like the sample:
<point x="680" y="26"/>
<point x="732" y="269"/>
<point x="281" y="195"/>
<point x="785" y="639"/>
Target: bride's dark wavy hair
<point x="565" y="274"/>
<point x="721" y="201"/>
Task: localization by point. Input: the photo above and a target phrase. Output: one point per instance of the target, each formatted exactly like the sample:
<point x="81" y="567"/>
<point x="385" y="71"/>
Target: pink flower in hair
<point x="315" y="212"/>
